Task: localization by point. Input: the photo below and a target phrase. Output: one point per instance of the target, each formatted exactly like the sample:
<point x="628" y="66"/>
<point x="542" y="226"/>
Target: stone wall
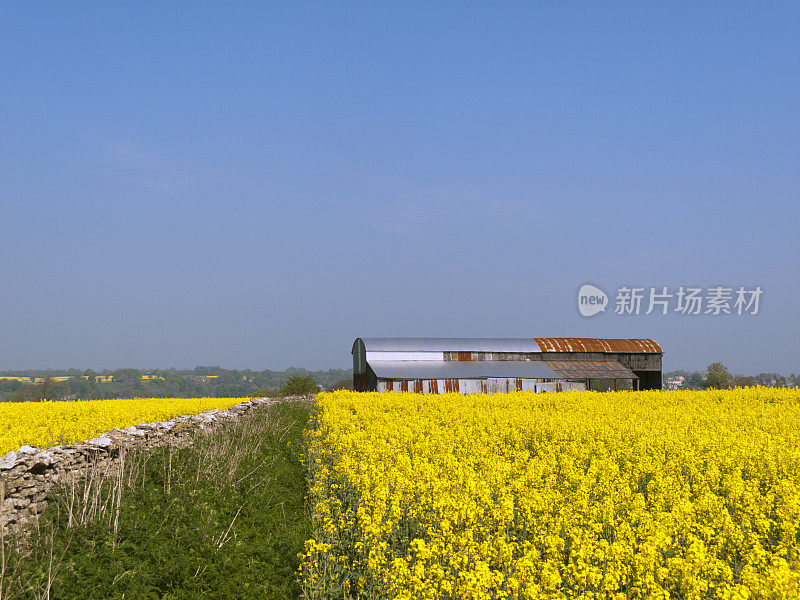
<point x="28" y="474"/>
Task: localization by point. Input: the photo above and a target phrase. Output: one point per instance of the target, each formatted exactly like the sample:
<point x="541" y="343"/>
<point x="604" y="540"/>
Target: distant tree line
<point x="717" y="376"/>
<point x="203" y="381"/>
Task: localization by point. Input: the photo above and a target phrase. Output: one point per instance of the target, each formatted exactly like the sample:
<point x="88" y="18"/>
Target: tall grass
<point x="221" y="518"/>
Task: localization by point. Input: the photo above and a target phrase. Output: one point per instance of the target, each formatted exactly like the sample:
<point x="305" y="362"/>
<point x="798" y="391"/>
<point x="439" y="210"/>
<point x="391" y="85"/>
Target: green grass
<point x="222" y="518"/>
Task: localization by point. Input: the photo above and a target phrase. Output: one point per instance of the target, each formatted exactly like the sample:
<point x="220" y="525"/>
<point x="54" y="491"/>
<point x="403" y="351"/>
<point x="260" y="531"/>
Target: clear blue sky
<point x="256" y="185"/>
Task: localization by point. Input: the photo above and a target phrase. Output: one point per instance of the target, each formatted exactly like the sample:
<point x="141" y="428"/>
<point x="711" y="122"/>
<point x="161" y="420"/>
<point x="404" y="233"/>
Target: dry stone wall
<point x="27" y="475"/>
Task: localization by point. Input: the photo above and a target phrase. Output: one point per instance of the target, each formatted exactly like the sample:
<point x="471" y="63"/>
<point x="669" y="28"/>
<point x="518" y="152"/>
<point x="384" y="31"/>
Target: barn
<point x="489" y="365"/>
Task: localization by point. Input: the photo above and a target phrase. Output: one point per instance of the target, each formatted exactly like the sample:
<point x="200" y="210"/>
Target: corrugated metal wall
<point x="490" y="385"/>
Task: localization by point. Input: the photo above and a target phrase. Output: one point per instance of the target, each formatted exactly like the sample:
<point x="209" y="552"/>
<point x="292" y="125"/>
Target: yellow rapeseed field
<point x="59" y="378"/>
<point x="675" y="494"/>
<point x="48" y="423"/>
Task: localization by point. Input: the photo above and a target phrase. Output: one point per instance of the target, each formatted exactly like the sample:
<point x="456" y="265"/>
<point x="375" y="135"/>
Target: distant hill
<point x="208" y="381"/>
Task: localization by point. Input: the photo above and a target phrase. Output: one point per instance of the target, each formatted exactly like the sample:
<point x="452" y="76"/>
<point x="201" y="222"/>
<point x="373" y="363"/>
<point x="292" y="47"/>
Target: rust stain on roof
<point x="597" y="345"/>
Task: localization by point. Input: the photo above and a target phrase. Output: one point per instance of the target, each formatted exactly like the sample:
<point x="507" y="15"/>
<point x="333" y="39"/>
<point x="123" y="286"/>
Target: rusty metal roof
<point x="590" y="369"/>
<point x="597" y="345"/>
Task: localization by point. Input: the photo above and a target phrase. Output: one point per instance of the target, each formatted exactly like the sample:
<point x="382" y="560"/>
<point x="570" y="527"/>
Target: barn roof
<point x="597" y="345"/>
<point x="511" y="345"/>
<point x="450" y="345"/>
<point x="590" y="369"/>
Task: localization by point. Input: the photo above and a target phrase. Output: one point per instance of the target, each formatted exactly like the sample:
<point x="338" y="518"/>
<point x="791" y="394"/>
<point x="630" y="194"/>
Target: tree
<point x="695" y="381"/>
<point x="299" y="385"/>
<point x="26" y="393"/>
<point x="744" y="381"/>
<point x="45" y="390"/>
<point x="718" y="376"/>
<point x="342" y="384"/>
<point x="80" y="387"/>
<point x="127" y="376"/>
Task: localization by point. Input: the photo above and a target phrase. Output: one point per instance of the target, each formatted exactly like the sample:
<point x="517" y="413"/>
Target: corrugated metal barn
<point x="467" y="365"/>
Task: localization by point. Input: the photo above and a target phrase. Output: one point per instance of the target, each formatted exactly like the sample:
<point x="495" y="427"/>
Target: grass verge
<point x="221" y="518"/>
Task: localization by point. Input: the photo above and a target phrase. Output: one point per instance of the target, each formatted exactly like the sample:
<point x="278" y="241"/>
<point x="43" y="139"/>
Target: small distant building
<point x="489" y="365"/>
<point x="676" y="383"/>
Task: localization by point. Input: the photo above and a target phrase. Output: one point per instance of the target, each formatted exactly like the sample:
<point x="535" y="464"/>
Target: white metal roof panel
<point x="451" y="345"/>
<point x="404" y="356"/>
<point x="526" y="369"/>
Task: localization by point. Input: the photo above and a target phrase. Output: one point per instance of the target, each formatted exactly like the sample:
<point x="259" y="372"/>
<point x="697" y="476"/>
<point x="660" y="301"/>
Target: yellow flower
<point x="567" y="495"/>
<point x="45" y="424"/>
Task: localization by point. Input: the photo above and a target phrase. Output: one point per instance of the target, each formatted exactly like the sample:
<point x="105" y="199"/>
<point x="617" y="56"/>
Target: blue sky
<point x="256" y="185"/>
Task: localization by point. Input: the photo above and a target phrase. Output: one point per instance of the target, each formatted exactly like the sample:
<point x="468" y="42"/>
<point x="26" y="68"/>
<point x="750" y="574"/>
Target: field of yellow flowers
<point x="677" y="494"/>
<point x="45" y="424"/>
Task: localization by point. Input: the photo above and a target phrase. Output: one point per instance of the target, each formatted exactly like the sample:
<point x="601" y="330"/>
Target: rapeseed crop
<point x="47" y="423"/>
<point x="678" y="494"/>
